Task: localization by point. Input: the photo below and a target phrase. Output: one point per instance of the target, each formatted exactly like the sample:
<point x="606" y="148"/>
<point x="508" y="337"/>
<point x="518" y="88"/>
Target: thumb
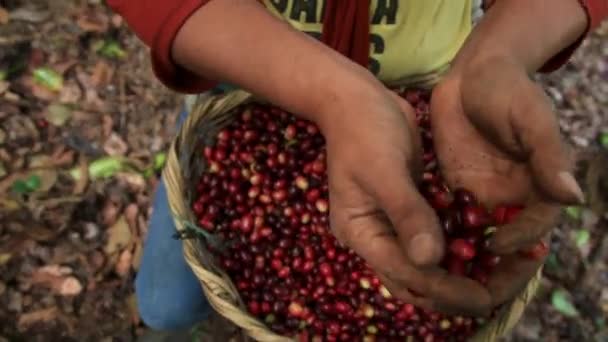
<point x="523" y="124"/>
<point x="414" y="221"/>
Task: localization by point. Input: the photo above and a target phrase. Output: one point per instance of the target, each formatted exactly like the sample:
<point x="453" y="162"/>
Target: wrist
<point x="527" y="32"/>
<point x="342" y="95"/>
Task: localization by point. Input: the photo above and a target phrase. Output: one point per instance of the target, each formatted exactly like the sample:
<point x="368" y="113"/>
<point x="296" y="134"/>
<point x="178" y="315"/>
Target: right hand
<point x="373" y="155"/>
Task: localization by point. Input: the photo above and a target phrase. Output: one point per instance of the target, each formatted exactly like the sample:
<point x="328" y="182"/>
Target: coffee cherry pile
<point x="265" y="196"/>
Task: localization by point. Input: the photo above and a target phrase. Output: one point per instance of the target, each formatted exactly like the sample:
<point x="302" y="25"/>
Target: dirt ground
<point x="83" y="127"/>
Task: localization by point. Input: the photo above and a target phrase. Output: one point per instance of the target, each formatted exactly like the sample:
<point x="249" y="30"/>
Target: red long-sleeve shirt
<point x="157" y="22"/>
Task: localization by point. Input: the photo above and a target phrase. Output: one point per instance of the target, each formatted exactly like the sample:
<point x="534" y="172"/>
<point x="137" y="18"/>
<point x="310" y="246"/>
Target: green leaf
<point x="101" y="168"/>
<point x="582" y="237"/>
<point x="48" y="78"/>
<point x="112" y="49"/>
<point x="19" y="187"/>
<point x="97" y="45"/>
<point x="552" y="263"/>
<point x="3" y="74"/>
<point x="574" y="212"/>
<point x="159" y="161"/>
<point x="147" y="173"/>
<point x="25" y="186"/>
<point x="33" y="183"/>
<point x="604" y="140"/>
<point x="561" y="302"/>
<point x="105" y="167"/>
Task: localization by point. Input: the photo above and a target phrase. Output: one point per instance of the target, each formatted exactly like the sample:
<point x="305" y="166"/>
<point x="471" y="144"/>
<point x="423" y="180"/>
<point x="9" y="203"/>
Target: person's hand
<point x="376" y="209"/>
<point x="495" y="134"/>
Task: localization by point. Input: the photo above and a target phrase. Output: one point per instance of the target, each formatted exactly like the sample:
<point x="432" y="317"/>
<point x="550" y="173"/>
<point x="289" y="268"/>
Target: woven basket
<point x="185" y="164"/>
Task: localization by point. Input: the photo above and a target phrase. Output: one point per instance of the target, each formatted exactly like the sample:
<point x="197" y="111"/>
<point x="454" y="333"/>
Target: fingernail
<point x="424" y="250"/>
<point x="572" y="185"/>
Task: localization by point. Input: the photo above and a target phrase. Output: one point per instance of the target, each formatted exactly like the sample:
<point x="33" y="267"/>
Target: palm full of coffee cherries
<point x="264" y="194"/>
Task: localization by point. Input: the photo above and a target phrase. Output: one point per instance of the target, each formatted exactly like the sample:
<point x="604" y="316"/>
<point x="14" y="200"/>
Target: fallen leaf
<point x="29" y="318"/>
<point x="53" y="270"/>
<point x="574" y="212"/>
<point x="132" y="305"/>
<point x="115" y="145"/>
<point x="134" y="181"/>
<point x="107" y="124"/>
<point x="137" y="254"/>
<point x="143" y="227"/>
<point x="58" y="114"/>
<point x="41" y="233"/>
<point x="119" y="236"/>
<point x="112" y="49"/>
<point x="47" y="177"/>
<point x="123" y="265"/>
<point x="93" y="22"/>
<point x="62" y="156"/>
<point x="49" y="78"/>
<point x="70" y="92"/>
<point x="131" y="212"/>
<point x="83" y="181"/>
<point x="91" y="98"/>
<point x="96" y="260"/>
<point x="26" y="14"/>
<point x="39" y="161"/>
<point x="64" y="65"/>
<point x="581" y="237"/>
<point x="102" y="74"/>
<point x="19" y="187"/>
<point x="552" y="264"/>
<point x="4" y="258"/>
<point x="33" y="182"/>
<point x="4" y="16"/>
<point x="560" y="299"/>
<point x="70" y="286"/>
<point x="604" y="140"/>
<point x="101" y="168"/>
<point x="109" y="212"/>
<point x="159" y="161"/>
<point x="9" y="205"/>
<point x="39" y="91"/>
<point x="58" y="278"/>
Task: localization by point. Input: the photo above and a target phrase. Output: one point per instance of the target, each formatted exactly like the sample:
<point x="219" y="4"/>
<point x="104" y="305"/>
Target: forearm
<point x="238" y="41"/>
<point x="528" y="33"/>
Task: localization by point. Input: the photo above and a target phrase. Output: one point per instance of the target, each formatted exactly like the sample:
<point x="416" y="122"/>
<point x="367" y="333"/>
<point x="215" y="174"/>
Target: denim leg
<point x="169" y="296"/>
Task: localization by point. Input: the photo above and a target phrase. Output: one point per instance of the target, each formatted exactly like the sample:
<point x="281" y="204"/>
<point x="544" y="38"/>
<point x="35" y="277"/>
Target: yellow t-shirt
<point x="407" y="37"/>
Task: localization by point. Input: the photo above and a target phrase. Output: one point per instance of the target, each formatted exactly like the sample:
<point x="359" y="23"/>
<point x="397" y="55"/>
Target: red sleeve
<point x="157" y="22"/>
<point x="597" y="10"/>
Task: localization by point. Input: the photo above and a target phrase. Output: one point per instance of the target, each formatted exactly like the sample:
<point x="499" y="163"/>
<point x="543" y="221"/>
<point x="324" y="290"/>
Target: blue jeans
<point x="169" y="296"/>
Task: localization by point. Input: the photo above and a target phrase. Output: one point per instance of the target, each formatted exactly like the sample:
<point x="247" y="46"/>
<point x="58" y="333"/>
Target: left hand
<point x="495" y="134"/>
